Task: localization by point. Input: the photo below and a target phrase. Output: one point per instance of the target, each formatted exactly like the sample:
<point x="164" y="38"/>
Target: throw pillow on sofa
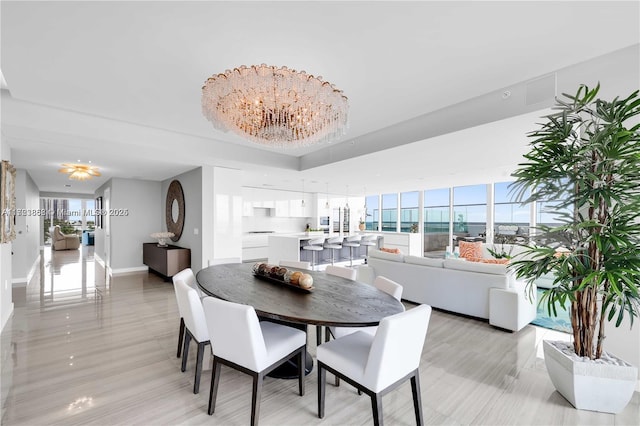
<point x="391" y="250"/>
<point x="491" y="260"/>
<point x="470" y="250"/>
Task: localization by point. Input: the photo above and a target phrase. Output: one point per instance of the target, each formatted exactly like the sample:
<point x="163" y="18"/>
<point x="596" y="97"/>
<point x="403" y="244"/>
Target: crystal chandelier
<point x="79" y="171"/>
<point x="274" y="106"/>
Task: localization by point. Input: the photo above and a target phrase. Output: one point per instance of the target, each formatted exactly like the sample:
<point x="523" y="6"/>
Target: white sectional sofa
<point x="480" y="290"/>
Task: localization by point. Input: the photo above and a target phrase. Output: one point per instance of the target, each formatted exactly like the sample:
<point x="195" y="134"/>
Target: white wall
<point x="221" y="215"/>
<point x="99" y="236"/>
<point x="26" y="246"/>
<point x="6" y="303"/>
<point x="191" y="238"/>
<point x="141" y="199"/>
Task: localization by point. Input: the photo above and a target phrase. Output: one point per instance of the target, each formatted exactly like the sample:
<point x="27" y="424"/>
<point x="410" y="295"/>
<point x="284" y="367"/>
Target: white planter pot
<point x="590" y="385"/>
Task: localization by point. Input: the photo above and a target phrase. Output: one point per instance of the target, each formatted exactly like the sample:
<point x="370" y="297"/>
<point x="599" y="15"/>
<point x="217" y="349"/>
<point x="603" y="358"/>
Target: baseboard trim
<point x="127" y="271"/>
<point x="19" y="282"/>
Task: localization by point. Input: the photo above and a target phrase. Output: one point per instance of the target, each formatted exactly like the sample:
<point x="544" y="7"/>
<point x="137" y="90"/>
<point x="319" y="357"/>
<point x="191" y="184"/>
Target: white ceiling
<point x="118" y="83"/>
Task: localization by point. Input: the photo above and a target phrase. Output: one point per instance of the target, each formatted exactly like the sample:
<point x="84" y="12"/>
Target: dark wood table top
<point x="334" y="301"/>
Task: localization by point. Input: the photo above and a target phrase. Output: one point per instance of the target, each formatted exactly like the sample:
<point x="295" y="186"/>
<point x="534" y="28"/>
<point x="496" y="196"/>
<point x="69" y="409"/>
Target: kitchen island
<point x="289" y="247"/>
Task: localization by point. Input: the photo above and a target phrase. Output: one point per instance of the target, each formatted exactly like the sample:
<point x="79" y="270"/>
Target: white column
<point x="421" y="220"/>
<point x="490" y="213"/>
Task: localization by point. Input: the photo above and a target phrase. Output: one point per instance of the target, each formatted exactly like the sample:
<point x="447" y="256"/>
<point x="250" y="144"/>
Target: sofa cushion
<point x="386" y="256"/>
<point x="425" y="261"/>
<point x="470" y="249"/>
<point x="485" y="268"/>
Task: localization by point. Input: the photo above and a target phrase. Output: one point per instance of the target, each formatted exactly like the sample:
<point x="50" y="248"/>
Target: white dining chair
<point x="378" y="364"/>
<point x="338" y="271"/>
<point x="188" y="277"/>
<point x="296" y="264"/>
<point x="341" y="271"/>
<point x="383" y="284"/>
<point x="195" y="326"/>
<point x="250" y="346"/>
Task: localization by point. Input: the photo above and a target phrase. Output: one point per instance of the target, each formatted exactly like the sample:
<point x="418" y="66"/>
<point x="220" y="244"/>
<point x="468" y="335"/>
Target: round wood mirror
<point x="174" y="210"/>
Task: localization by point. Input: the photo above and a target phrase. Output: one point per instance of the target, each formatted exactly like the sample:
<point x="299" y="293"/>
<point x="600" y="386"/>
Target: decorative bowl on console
<point x="162" y="237"/>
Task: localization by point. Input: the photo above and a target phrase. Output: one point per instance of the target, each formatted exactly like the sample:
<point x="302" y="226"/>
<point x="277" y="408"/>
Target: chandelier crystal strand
<point x="275" y="106"/>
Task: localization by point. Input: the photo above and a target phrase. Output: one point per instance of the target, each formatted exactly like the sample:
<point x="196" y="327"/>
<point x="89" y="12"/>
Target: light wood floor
<point x="81" y="350"/>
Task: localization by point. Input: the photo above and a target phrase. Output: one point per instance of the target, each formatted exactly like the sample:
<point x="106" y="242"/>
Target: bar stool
<point x="368" y="241"/>
<point x="315" y="245"/>
<point x="352" y="242"/>
<point x="333" y="243"/>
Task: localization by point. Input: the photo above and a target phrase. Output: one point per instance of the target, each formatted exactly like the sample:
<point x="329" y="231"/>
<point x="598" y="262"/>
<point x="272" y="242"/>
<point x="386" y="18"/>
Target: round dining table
<point x="332" y="301"/>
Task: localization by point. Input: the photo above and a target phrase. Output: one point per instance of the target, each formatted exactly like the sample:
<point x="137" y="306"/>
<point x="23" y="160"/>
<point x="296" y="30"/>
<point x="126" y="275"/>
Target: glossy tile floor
<point x="81" y="349"/>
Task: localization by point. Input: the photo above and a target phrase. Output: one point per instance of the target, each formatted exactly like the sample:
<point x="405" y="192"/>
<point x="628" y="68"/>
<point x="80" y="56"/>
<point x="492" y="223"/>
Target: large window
<point x="371" y="212"/>
<point x="547" y="212"/>
<point x="73" y="215"/>
<point x="470" y="211"/>
<point x="409" y="211"/>
<point x="511" y="219"/>
<point x="436" y="220"/>
<point x="390" y="212"/>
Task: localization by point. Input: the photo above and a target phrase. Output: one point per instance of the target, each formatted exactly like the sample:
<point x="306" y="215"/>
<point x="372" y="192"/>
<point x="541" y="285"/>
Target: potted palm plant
<point x="584" y="165"/>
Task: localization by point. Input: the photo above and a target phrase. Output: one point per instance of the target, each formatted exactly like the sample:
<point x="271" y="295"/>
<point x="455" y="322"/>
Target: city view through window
<point x="73" y="215"/>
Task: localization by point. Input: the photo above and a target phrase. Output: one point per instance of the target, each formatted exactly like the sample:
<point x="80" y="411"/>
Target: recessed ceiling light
<point x="506" y="94"/>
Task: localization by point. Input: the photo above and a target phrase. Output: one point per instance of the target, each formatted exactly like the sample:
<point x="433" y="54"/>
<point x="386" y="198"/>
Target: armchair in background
<point x="60" y="241"/>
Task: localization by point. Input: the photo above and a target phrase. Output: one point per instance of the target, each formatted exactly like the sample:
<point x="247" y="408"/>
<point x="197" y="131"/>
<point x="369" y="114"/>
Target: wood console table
<point x="166" y="261"/>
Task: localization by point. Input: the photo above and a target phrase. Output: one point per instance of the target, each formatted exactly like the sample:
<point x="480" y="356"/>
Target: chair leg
<point x="255" y="398"/>
<point x="185" y="351"/>
<point x="417" y="399"/>
<point x="215" y="379"/>
<point x="376" y="405"/>
<point x="327" y="337"/>
<point x="318" y="335"/>
<point x="180" y="337"/>
<point x="200" y="354"/>
<point x="302" y="360"/>
<point x="322" y="378"/>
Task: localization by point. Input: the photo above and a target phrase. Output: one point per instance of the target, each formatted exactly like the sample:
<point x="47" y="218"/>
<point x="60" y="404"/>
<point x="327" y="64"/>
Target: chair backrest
<point x="188" y="277"/>
<point x="191" y="311"/>
<point x="354" y="238"/>
<point x="296" y="264"/>
<point x="235" y="333"/>
<point x="57" y="233"/>
<point x="342" y="271"/>
<point x="388" y="286"/>
<point x="334" y="240"/>
<point x="369" y="239"/>
<point x="397" y="347"/>
<point x="316" y="241"/>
